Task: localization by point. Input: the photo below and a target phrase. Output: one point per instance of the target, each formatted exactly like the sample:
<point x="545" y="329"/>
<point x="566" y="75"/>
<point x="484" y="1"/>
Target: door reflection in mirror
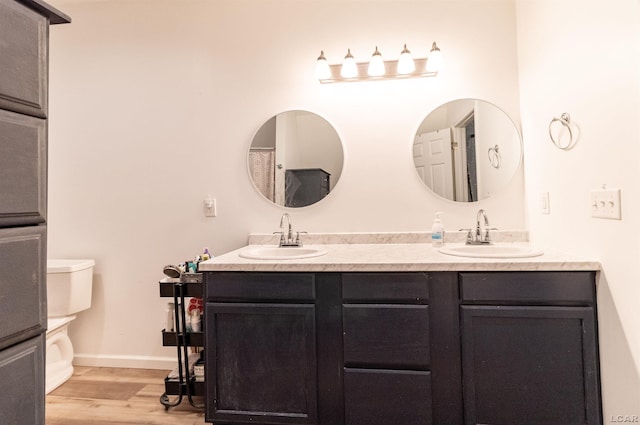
<point x="451" y="145"/>
<point x="295" y="159"/>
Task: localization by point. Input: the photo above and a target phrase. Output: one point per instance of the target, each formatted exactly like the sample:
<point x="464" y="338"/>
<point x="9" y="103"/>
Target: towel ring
<point x="494" y="157"/>
<point x="565" y="120"/>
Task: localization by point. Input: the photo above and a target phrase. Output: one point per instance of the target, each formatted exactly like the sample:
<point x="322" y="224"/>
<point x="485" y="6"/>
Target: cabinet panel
<point x="560" y="288"/>
<point x="23" y="60"/>
<point x="392" y="287"/>
<point x="22" y="377"/>
<point x="261" y="363"/>
<point x="533" y="365"/>
<point x="384" y="397"/>
<point x="23" y="170"/>
<point x="382" y="335"/>
<point x="231" y="286"/>
<point x="22" y="282"/>
<point x="305" y="186"/>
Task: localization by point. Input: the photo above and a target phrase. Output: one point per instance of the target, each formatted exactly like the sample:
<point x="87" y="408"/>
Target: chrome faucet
<point x="481" y="236"/>
<point x="287" y="236"/>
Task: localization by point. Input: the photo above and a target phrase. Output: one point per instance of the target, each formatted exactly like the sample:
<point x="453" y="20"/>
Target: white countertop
<point x="396" y="257"/>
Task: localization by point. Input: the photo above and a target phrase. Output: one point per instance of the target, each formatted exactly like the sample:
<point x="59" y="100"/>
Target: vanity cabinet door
<point x="534" y="365"/>
<point x="261" y="363"/>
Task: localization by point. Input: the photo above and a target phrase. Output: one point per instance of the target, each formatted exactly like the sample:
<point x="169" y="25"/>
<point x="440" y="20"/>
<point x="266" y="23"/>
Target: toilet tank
<point x="69" y="285"/>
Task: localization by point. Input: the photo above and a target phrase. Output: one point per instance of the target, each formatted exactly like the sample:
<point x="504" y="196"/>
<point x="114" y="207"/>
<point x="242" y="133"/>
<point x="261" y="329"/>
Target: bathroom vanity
<point x="401" y="334"/>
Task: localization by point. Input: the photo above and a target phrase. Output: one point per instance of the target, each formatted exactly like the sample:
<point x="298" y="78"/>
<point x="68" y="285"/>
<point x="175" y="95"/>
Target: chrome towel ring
<point x="494" y="157"/>
<point x="565" y="120"/>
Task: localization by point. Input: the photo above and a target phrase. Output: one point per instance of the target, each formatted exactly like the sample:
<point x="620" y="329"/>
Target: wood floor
<point x="108" y="396"/>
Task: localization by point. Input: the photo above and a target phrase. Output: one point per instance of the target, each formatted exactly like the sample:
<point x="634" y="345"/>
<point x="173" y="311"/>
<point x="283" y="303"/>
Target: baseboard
<point x="129" y="362"/>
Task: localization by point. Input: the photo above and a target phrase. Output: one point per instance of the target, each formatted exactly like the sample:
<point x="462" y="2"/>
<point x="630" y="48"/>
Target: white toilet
<point x="69" y="285"/>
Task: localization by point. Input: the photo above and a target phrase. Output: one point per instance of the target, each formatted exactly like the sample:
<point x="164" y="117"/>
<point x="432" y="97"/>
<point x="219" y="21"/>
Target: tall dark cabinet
<point x="24" y="46"/>
<point x="306" y="186"/>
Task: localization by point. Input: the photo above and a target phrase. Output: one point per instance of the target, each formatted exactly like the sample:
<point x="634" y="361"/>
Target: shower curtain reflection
<point x="262" y="169"/>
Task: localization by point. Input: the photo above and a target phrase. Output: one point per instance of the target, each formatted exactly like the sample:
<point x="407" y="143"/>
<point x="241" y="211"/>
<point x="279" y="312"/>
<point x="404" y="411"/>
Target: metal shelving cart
<point x="186" y="383"/>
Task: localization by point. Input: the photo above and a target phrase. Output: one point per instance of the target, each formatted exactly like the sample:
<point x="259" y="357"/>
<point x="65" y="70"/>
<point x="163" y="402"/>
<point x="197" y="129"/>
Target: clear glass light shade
<point x="323" y="72"/>
<point x="376" y="65"/>
<point x="349" y="67"/>
<point x="435" y="61"/>
<point x="405" y="62"/>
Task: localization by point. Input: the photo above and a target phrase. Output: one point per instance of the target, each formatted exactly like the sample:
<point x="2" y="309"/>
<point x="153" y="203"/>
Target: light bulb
<point x="323" y="72"/>
<point x="435" y="61"/>
<point x="349" y="68"/>
<point x="405" y="63"/>
<point x="376" y="66"/>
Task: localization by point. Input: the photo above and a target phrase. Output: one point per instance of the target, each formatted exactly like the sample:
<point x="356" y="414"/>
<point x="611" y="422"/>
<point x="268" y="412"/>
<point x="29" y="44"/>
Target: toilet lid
<point x="68" y="266"/>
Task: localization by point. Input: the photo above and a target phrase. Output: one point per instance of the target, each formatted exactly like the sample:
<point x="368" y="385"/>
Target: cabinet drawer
<point x="23" y="60"/>
<point x="23" y="170"/>
<point x="559" y="288"/>
<point x="392" y="336"/>
<point x="22" y="376"/>
<point x="384" y="397"/>
<point x="23" y="300"/>
<point x="392" y="287"/>
<point x="240" y="286"/>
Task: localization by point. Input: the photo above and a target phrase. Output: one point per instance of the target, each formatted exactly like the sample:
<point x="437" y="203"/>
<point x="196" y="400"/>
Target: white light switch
<point x="210" y="207"/>
<point x="544" y="203"/>
<point x="605" y="203"/>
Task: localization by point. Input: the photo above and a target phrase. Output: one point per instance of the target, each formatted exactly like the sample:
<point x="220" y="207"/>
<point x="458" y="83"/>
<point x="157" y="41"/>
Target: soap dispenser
<point x="437" y="232"/>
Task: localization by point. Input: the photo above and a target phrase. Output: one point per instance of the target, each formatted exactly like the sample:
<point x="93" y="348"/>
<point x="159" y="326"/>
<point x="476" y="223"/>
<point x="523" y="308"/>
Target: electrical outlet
<point x="605" y="203"/>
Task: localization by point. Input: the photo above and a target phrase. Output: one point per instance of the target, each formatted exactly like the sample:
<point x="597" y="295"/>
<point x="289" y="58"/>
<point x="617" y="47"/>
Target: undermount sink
<point x="491" y="251"/>
<point x="281" y="253"/>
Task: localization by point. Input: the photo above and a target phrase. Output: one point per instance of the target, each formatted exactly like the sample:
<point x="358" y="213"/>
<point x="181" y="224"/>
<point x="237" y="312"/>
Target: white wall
<point x="154" y="104"/>
<point x="582" y="57"/>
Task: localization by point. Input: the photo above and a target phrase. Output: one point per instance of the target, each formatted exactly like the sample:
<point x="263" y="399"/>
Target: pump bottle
<point x="437" y="232"/>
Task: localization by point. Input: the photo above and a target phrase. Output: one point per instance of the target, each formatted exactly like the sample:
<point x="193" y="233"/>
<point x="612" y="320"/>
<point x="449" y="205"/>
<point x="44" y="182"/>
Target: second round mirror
<point x="467" y="150"/>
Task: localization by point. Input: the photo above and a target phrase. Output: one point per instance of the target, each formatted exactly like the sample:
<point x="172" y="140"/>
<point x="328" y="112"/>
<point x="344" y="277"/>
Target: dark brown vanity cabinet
<point x="529" y="348"/>
<point x="382" y="348"/>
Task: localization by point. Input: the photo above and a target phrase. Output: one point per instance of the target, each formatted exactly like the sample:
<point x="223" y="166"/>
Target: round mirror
<point x="467" y="150"/>
<point x="295" y="159"/>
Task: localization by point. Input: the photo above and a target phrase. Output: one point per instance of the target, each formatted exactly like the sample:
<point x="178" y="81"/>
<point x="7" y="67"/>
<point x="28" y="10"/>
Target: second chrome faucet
<point x="481" y="235"/>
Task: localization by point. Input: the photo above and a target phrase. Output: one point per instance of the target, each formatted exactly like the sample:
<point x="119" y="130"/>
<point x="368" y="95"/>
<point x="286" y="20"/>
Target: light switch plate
<point x="544" y="203"/>
<point x="605" y="203"/>
<point x="210" y="207"/>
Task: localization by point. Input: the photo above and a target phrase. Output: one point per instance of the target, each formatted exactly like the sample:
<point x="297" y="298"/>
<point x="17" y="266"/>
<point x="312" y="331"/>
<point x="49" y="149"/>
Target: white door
<point x="433" y="160"/>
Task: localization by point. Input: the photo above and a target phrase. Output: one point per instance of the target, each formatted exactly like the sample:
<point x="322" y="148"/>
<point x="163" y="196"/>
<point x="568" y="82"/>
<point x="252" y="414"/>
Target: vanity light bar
<point x="379" y="69"/>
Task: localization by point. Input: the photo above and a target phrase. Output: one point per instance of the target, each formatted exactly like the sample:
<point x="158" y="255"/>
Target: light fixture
<point x="322" y="67"/>
<point x="376" y="66"/>
<point x="349" y="66"/>
<point x="435" y="61"/>
<point x="405" y="63"/>
<point x="379" y="69"/>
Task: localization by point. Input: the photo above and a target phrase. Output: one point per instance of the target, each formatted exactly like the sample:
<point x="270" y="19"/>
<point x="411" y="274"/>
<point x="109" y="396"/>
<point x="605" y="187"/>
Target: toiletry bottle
<point x="437" y="232"/>
<point x="171" y="311"/>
